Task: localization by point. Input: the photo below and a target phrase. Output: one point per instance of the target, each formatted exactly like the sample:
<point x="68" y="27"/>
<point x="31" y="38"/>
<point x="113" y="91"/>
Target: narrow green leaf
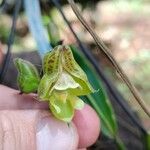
<point x="147" y="140"/>
<point x="98" y="100"/>
<point x="28" y="78"/>
<point x="120" y="144"/>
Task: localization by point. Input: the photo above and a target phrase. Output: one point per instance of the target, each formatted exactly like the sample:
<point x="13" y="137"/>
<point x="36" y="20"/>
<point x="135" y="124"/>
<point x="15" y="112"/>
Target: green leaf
<point x="147" y="140"/>
<point x="53" y="31"/>
<point x="28" y="78"/>
<point x="99" y="100"/>
<point x="120" y="144"/>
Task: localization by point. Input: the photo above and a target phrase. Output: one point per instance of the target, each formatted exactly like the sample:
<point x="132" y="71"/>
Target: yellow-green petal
<point x="62" y="110"/>
<point x="65" y="82"/>
<point x="46" y="86"/>
<point x="51" y="61"/>
<point x="72" y="67"/>
<point x="77" y="103"/>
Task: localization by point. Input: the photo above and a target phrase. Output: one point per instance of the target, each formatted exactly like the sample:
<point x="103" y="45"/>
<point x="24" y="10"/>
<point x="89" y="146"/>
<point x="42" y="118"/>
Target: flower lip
<point x="65" y="82"/>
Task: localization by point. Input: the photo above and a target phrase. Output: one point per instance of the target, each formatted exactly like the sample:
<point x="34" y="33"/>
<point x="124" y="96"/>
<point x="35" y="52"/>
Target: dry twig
<point x="113" y="61"/>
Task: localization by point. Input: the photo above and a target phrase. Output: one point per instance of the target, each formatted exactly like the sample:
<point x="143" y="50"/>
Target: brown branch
<point x="106" y="51"/>
<point x="1" y="53"/>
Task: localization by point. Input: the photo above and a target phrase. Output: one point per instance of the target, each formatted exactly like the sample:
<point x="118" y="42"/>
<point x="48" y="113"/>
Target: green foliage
<point x="99" y="100"/>
<point x="52" y="29"/>
<point x="147" y="141"/>
<point x="3" y="33"/>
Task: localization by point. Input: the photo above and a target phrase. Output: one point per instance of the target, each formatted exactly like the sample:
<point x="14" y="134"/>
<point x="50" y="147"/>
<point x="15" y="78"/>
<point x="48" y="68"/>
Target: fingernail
<point x="53" y="134"/>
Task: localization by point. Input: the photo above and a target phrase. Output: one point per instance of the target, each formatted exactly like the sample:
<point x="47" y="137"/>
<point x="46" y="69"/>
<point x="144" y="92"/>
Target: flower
<point x="28" y="77"/>
<point x="63" y="81"/>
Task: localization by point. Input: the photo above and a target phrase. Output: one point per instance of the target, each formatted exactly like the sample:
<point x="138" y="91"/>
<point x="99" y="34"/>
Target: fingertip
<point x="88" y="126"/>
<point x="55" y="134"/>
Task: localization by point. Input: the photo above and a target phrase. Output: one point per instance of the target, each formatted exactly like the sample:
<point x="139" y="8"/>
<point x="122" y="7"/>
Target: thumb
<point x="35" y="130"/>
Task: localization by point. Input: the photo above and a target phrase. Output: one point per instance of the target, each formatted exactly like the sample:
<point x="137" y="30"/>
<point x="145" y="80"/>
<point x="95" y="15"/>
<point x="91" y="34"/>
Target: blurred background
<point x="123" y="25"/>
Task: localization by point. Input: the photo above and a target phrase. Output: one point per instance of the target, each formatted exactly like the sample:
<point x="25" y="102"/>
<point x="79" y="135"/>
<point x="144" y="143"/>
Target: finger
<point x="88" y="126"/>
<point x="35" y="130"/>
<point x="86" y="120"/>
<point x="11" y="99"/>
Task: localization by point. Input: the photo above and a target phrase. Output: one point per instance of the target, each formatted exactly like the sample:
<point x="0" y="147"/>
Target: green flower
<point x="62" y="82"/>
<point x="28" y="78"/>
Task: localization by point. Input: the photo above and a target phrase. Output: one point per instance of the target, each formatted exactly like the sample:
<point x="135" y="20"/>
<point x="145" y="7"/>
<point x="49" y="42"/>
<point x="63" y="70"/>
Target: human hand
<point x="26" y="124"/>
